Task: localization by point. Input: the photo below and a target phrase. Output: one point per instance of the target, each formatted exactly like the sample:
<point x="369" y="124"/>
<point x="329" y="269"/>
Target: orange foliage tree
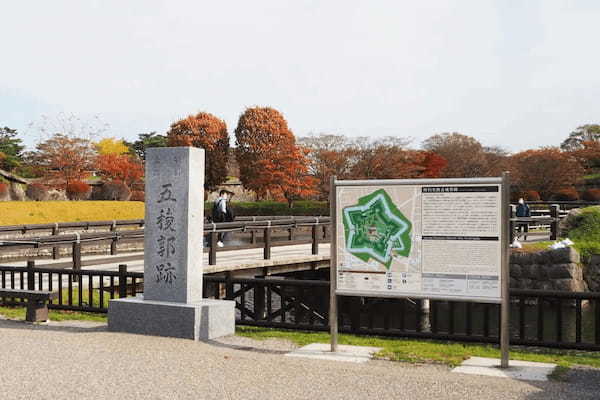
<point x="64" y="158"/>
<point x="268" y="156"/>
<point x="547" y="171"/>
<point x="120" y="168"/>
<point x="206" y="131"/>
<point x="285" y="174"/>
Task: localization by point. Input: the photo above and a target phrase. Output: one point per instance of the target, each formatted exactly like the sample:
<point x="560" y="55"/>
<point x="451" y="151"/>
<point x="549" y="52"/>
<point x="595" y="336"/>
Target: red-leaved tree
<point x="65" y="159"/>
<point x="546" y="170"/>
<point x="120" y="168"/>
<point x="206" y="131"/>
<point x="263" y="139"/>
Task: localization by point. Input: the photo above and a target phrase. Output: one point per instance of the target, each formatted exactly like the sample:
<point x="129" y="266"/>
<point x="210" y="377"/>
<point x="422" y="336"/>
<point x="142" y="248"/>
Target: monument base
<point x="204" y="320"/>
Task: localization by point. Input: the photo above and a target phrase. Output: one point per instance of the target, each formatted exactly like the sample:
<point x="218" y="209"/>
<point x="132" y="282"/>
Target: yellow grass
<point x="43" y="212"/>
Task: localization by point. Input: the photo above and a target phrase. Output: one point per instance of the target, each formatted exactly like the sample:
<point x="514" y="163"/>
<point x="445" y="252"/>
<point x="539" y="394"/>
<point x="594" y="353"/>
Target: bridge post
<point x="76" y="255"/>
<point x="267" y="240"/>
<point x="212" y="248"/>
<point x="123" y="280"/>
<point x="315" y="239"/>
<point x="30" y="275"/>
<point x="511" y="223"/>
<point x="113" y="243"/>
<point x="259" y="302"/>
<point x="554" y="226"/>
<point x="55" y="249"/>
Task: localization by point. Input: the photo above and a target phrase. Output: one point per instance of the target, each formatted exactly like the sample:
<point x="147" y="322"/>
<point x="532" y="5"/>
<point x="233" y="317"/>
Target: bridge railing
<point x="259" y="229"/>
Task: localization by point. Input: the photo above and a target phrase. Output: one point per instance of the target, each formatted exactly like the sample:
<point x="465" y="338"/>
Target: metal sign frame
<point x="504" y="183"/>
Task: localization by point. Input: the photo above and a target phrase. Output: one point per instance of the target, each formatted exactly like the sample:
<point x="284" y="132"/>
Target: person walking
<point x="523" y="211"/>
<point x="222" y="212"/>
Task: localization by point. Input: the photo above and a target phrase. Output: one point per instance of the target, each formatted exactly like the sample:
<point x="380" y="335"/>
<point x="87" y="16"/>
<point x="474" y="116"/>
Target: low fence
<point x="538" y="318"/>
<point x="78" y="290"/>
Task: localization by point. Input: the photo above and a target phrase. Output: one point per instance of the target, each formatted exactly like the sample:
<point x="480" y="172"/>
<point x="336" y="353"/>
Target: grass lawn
<point x="43" y="212"/>
<point x="54" y="315"/>
<point x="419" y="351"/>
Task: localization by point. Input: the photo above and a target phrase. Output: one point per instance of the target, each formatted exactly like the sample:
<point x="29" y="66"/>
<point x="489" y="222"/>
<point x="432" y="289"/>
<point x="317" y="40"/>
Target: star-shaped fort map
<point x="376" y="229"/>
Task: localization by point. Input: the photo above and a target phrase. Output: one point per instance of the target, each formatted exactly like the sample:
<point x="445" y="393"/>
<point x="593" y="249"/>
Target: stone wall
<point x="559" y="269"/>
<point x="591" y="273"/>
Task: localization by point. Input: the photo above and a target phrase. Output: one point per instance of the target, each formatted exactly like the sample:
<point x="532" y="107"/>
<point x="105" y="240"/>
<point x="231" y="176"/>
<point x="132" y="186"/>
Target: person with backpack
<point x="523" y="211"/>
<point x="222" y="212"/>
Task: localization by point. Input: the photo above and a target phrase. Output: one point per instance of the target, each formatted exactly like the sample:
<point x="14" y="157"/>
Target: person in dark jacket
<point x="523" y="211"/>
<point x="222" y="212"/>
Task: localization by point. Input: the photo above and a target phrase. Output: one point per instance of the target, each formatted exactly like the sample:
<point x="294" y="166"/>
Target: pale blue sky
<point x="517" y="74"/>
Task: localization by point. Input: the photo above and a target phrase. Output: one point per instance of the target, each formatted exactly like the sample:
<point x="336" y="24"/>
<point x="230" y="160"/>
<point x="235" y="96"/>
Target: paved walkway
<point x="62" y="360"/>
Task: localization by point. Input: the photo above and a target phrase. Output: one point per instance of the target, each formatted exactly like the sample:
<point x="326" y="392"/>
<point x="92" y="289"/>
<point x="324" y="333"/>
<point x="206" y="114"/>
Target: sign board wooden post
<point x="443" y="239"/>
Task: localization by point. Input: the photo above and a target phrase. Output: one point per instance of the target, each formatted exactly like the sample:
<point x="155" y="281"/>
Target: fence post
<point x="122" y="280"/>
<point x="212" y="248"/>
<point x="30" y="275"/>
<point x="76" y="255"/>
<point x="554" y="228"/>
<point x="511" y="224"/>
<point x="228" y="286"/>
<point x="253" y="233"/>
<point x="55" y="249"/>
<point x="113" y="243"/>
<point x="259" y="301"/>
<point x="315" y="238"/>
<point x="267" y="240"/>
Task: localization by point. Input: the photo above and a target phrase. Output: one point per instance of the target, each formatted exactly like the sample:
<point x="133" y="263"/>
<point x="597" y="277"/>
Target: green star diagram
<point x="376" y="229"/>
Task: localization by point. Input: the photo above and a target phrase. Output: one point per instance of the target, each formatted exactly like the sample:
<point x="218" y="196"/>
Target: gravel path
<point x="83" y="360"/>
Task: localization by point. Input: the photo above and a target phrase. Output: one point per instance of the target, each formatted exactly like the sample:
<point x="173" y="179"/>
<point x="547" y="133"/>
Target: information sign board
<point x="437" y="239"/>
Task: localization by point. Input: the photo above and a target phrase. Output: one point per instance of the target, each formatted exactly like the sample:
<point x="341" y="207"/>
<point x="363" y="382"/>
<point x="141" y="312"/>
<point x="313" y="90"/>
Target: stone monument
<point x="172" y="303"/>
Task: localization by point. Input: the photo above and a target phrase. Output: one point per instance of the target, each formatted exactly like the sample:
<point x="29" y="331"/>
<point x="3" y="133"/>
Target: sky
<point x="515" y="74"/>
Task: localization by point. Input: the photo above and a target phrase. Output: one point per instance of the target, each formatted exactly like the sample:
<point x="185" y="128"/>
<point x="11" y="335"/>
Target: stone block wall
<point x="591" y="273"/>
<point x="559" y="269"/>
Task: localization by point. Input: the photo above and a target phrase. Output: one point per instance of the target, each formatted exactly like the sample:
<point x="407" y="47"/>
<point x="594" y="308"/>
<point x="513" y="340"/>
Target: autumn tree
<point x="120" y="168"/>
<point x="547" y="171"/>
<point x="111" y="146"/>
<point x="433" y="164"/>
<point x="464" y="154"/>
<point x="588" y="155"/>
<point x="329" y="155"/>
<point x="66" y="159"/>
<point x="285" y="174"/>
<point x="577" y="138"/>
<point x="206" y="131"/>
<point x="261" y="134"/>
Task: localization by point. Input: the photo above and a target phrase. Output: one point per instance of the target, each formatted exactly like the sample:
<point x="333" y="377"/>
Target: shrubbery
<point x="591" y="195"/>
<point x="137" y="195"/>
<point x="37" y="192"/>
<point x="273" y="208"/>
<point x="568" y="194"/>
<point x="111" y="191"/>
<point x="78" y="190"/>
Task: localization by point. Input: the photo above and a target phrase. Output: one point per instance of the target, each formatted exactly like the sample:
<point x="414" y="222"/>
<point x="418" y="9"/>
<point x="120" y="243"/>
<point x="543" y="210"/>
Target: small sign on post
<point x="443" y="239"/>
